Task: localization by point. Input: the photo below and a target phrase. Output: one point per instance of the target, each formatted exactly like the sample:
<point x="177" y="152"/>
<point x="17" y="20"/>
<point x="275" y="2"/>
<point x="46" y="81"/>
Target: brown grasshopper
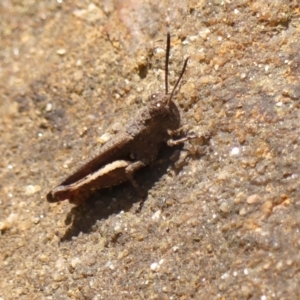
<point x="131" y="149"/>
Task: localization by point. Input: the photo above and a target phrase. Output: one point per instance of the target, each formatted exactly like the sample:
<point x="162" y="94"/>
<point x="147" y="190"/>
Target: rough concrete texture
<point x="221" y="218"/>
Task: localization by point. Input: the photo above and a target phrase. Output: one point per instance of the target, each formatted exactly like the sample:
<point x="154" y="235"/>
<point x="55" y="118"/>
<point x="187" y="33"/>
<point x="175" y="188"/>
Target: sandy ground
<point x="221" y="218"/>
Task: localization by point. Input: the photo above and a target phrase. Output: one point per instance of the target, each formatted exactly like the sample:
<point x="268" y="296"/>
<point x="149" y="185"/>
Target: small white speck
<point x="225" y="276"/>
<point x="235" y="151"/>
<point x="246" y="272"/>
<point x="279" y="104"/>
<point x="263" y="297"/>
<point x="266" y="68"/>
<point x="236" y="11"/>
<point x="117" y="226"/>
<point x="10" y="167"/>
<point x="31" y="189"/>
<point x="193" y="38"/>
<point x="139" y="89"/>
<point x="110" y="265"/>
<point x="74" y="262"/>
<point x="67" y="163"/>
<point x="105" y="137"/>
<point x="49" y="107"/>
<point x="243" y="75"/>
<point x="154" y="266"/>
<point x="204" y="33"/>
<point x="159" y="50"/>
<point x="175" y="248"/>
<point x="40" y="134"/>
<point x="16" y="51"/>
<point x="61" y="51"/>
<point x="156" y="215"/>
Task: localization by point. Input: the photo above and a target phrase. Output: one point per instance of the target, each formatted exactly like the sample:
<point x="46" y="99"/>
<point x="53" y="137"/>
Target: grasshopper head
<point x="161" y="113"/>
<point x="161" y="108"/>
<point x="164" y="110"/>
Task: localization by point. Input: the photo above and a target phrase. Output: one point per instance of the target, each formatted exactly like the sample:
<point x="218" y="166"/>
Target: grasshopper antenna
<point x="167" y="69"/>
<point x="167" y="63"/>
<point x="179" y="78"/>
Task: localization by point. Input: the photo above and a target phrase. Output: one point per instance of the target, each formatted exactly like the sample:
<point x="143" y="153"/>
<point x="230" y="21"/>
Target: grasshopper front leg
<point x="172" y="142"/>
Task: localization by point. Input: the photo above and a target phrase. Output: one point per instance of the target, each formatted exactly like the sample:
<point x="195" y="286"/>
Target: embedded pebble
<point x="253" y="199"/>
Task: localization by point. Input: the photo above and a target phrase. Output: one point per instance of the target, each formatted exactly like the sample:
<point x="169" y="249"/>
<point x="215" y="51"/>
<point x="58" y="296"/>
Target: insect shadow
<point x="113" y="200"/>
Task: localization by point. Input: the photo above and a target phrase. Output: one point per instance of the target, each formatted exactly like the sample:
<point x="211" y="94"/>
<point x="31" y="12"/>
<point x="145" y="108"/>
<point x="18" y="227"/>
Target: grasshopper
<point x="129" y="150"/>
